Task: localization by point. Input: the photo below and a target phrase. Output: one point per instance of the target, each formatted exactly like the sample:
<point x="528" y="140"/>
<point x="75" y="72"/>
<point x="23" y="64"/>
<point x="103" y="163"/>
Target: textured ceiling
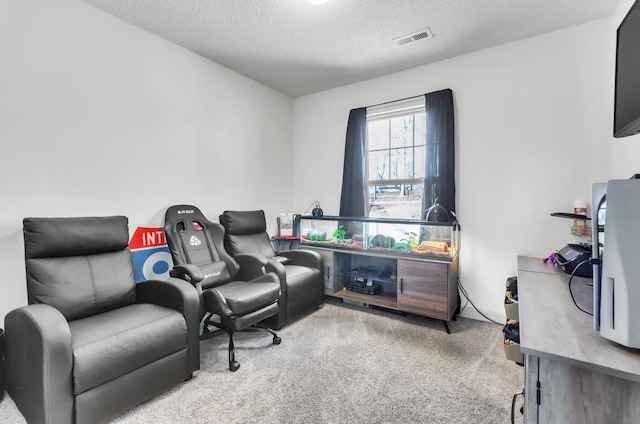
<point x="298" y="48"/>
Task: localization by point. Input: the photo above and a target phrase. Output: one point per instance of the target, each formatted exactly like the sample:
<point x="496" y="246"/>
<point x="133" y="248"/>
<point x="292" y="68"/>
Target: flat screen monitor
<point x="627" y="92"/>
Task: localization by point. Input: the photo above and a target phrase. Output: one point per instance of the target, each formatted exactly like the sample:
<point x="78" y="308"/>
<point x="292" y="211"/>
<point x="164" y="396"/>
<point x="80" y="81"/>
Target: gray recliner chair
<point x="92" y="343"/>
<point x="301" y="271"/>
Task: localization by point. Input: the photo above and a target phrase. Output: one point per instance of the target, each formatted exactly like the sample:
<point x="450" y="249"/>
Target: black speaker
<point x="574" y="256"/>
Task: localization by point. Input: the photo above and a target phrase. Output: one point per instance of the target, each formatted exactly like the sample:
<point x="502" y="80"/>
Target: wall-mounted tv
<point x="626" y="119"/>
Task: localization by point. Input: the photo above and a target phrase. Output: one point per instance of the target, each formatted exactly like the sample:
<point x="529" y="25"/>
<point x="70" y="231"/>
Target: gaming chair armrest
<point x="39" y="363"/>
<point x="188" y="272"/>
<point x="251" y="265"/>
<point x="303" y="257"/>
<point x="178" y="294"/>
<point x="274" y="265"/>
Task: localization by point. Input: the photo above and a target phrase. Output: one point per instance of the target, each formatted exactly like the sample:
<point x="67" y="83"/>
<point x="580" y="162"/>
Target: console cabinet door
<point x="423" y="288"/>
<point x="329" y="272"/>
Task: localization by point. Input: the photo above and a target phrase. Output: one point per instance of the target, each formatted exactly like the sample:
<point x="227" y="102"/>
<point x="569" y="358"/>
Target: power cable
<point x="571" y="291"/>
<point x="464" y="293"/>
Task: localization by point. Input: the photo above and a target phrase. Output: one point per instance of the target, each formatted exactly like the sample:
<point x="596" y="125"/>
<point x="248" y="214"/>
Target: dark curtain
<point x="439" y="180"/>
<point x="352" y="200"/>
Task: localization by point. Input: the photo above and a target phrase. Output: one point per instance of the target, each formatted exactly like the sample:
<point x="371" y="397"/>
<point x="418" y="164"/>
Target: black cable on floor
<point x="464" y="293"/>
<point x="466" y="303"/>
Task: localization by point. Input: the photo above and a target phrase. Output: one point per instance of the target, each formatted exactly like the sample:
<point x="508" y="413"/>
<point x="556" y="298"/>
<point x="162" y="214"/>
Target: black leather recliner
<point x="236" y="294"/>
<point x="93" y="343"/>
<point x="301" y="272"/>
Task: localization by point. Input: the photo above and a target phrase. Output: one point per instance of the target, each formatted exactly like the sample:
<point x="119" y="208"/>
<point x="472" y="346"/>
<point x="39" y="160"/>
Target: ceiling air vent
<point x="421" y="35"/>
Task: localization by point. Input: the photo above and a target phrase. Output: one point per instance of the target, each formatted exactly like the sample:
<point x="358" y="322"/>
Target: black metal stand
<point x="207" y="334"/>
<point x="513" y="406"/>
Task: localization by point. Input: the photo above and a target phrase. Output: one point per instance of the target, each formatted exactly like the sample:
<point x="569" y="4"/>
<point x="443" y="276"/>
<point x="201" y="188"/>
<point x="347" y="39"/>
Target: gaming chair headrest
<point x="193" y="239"/>
<point x="244" y="222"/>
<point x="179" y="213"/>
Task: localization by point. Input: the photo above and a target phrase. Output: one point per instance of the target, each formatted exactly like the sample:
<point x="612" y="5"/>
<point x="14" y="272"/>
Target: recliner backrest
<point x="80" y="266"/>
<point x="246" y="232"/>
<point x="193" y="239"/>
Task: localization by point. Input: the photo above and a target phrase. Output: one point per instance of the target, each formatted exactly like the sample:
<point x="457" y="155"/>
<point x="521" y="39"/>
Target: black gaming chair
<point x="236" y="294"/>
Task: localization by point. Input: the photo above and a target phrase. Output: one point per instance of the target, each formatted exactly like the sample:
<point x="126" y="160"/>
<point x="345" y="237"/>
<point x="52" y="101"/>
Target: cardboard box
<point x="513" y="353"/>
<point x="512" y="311"/>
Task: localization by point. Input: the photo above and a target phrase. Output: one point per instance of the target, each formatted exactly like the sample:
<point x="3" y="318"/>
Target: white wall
<point x="98" y="117"/>
<point x="533" y="130"/>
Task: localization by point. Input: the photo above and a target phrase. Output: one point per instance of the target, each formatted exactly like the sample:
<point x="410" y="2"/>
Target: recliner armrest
<point x="254" y="259"/>
<point x="39" y="363"/>
<point x="252" y="265"/>
<point x="283" y="260"/>
<point x="188" y="272"/>
<point x="303" y="257"/>
<point x="269" y="277"/>
<point x="177" y="294"/>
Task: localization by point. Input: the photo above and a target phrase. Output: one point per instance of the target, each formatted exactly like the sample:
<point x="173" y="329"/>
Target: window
<point x="395" y="163"/>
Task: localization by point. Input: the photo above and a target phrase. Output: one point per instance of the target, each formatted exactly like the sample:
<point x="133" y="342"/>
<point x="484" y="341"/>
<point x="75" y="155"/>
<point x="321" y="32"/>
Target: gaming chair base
<point x="220" y="329"/>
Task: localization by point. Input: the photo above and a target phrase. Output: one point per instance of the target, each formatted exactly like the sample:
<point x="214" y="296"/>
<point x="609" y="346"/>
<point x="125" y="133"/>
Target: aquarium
<point x="381" y="235"/>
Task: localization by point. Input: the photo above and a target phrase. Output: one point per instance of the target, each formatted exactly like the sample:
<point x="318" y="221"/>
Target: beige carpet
<point x="344" y="364"/>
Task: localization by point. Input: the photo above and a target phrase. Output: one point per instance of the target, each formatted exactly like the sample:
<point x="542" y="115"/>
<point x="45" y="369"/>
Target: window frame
<point x="387" y="111"/>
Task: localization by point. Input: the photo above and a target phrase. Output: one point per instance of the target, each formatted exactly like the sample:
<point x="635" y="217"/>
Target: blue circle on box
<point x="160" y="267"/>
<point x="151" y="264"/>
<point x="158" y="260"/>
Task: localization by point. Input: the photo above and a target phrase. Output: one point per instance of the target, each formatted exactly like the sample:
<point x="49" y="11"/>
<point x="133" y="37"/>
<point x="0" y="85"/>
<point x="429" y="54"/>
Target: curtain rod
<point x="394" y="101"/>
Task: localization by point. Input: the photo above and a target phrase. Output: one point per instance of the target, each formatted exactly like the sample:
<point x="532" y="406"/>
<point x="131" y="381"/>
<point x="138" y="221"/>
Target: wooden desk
<point x="285" y="242"/>
<point x="572" y="374"/>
